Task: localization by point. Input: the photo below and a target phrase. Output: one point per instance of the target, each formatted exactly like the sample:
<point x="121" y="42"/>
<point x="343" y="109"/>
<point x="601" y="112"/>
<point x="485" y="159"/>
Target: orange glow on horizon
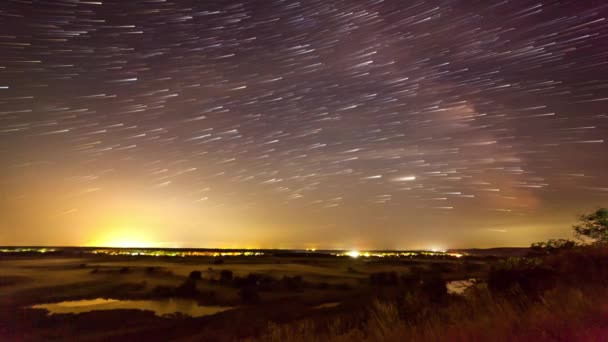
<point x="124" y="238"/>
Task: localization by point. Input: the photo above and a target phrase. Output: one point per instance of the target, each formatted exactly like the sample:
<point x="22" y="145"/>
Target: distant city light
<point x="353" y="254"/>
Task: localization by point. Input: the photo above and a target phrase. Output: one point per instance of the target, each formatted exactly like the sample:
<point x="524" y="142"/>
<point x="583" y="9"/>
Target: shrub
<point x="195" y="275"/>
<point x="187" y="289"/>
<point x="294" y="283"/>
<point x="553" y="245"/>
<point x="519" y="275"/>
<point x="163" y="291"/>
<point x="435" y="289"/>
<point x="226" y="276"/>
<point x="384" y="279"/>
<point x="249" y="294"/>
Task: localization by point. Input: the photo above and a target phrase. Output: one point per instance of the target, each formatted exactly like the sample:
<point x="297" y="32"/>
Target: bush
<point x="187" y="289"/>
<point x="521" y="277"/>
<point x="195" y="275"/>
<point x="249" y="295"/>
<point x="435" y="289"/>
<point x="163" y="291"/>
<point x="553" y="246"/>
<point x="226" y="276"/>
<point x="250" y="280"/>
<point x="323" y="286"/>
<point x="384" y="279"/>
<point x="294" y="283"/>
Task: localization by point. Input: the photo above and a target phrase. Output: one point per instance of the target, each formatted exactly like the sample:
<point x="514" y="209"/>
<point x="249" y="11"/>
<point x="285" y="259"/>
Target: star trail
<point x="301" y="124"/>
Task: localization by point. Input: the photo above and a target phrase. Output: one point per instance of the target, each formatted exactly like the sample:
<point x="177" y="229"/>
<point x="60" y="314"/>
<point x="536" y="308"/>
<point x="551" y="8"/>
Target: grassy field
<point x="279" y="298"/>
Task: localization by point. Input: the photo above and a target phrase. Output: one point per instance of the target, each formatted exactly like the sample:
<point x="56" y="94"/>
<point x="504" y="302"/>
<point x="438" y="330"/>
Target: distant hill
<point x="499" y="251"/>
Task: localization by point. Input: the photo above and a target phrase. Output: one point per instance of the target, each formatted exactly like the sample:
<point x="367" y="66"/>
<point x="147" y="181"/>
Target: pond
<point x="459" y="286"/>
<point x="326" y="305"/>
<point x="160" y="307"/>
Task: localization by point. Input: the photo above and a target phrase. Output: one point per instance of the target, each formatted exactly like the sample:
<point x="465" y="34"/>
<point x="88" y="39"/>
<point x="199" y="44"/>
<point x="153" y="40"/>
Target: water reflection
<point x="459" y="286"/>
<point x="326" y="305"/>
<point x="159" y="307"/>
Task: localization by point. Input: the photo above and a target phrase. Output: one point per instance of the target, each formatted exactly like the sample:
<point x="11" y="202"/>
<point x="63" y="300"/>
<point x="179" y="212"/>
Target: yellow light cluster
<point x="356" y="254"/>
<point x="27" y="250"/>
<point x="174" y="253"/>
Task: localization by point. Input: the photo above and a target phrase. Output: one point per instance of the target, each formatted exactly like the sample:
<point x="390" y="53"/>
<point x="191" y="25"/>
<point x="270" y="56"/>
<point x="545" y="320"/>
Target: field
<point x="287" y="288"/>
<point x="290" y="296"/>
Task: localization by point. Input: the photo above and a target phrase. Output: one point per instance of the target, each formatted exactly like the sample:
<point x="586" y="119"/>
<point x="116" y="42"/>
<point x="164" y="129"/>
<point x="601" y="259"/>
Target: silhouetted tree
<point x="594" y="226"/>
<point x="553" y="245"/>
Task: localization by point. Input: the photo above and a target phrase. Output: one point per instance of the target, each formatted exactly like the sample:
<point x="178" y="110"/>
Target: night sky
<point x="301" y="124"/>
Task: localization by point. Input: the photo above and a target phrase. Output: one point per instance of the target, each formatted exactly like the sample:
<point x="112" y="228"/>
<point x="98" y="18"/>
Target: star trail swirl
<point x="333" y="124"/>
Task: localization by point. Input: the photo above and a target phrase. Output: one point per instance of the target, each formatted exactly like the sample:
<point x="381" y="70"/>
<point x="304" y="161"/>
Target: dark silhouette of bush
<point x="434" y="289"/>
<point x="470" y="267"/>
<point x="343" y="287"/>
<point x="294" y="283"/>
<point x="124" y="270"/>
<point x="226" y="276"/>
<point x="195" y="275"/>
<point x="187" y="289"/>
<point x="249" y="294"/>
<point x="163" y="291"/>
<point x="150" y="270"/>
<point x="268" y="283"/>
<point x="218" y="261"/>
<point x="252" y="279"/>
<point x="416" y="271"/>
<point x="409" y="282"/>
<point x="521" y="277"/>
<point x="323" y="286"/>
<point x="440" y="267"/>
<point x="581" y="266"/>
<point x="384" y="279"/>
<point x="552" y="246"/>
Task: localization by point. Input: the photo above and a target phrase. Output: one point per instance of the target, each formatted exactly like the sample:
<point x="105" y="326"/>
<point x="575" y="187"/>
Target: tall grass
<point x="573" y="308"/>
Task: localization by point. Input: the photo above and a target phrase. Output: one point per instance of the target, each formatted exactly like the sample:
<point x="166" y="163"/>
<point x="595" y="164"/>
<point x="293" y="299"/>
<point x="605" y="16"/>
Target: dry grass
<point x="576" y="309"/>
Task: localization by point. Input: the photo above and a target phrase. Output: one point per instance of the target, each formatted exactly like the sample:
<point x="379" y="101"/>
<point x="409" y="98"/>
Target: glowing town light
<point x="353" y="254"/>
